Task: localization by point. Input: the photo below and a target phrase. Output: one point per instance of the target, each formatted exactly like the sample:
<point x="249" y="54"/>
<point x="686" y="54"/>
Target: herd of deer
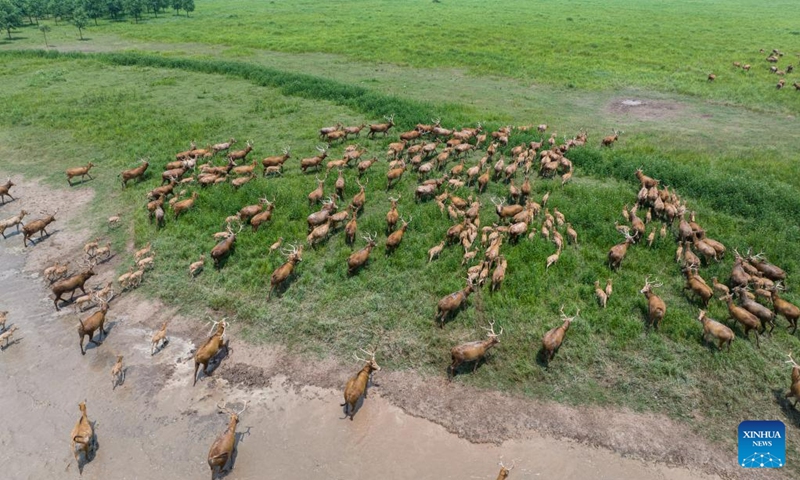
<point x="418" y="150"/>
<point x="773" y="58"/>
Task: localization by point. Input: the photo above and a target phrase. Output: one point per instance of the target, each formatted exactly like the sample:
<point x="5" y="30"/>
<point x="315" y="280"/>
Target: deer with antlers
<point x="293" y="257"/>
<point x="394" y="239"/>
<point x="358" y="259"/>
<point x="208" y="351"/>
<point x="241" y="154"/>
<point x="317" y="194"/>
<point x="222" y="450"/>
<point x="223" y="248"/>
<point x="794" y="389"/>
<point x="357" y="384"/>
<point x="656" y="307"/>
<point x="381" y="127"/>
<point x="314" y="161"/>
<point x="134" y="173"/>
<point x="473" y="351"/>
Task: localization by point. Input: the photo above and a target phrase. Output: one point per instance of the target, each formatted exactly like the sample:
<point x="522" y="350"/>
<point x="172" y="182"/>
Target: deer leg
<point x="83" y="352"/>
<point x="196" y="365"/>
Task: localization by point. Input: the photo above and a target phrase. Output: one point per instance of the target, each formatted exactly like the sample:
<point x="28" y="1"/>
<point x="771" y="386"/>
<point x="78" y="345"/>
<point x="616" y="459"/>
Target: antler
<point x="514" y="464"/>
<point x="491" y="330"/>
<point x="243" y="409"/>
<point x="791" y="360"/>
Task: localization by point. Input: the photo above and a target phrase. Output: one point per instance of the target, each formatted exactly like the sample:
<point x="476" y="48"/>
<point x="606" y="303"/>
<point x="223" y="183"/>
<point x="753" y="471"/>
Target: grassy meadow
<point x="728" y="150"/>
<point x="571" y="44"/>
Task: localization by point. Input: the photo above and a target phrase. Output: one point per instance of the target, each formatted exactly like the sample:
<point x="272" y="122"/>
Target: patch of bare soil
<point x="645" y="109"/>
<point x="158" y="424"/>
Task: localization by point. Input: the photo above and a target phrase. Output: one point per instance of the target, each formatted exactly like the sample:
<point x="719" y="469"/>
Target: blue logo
<point x="762" y="444"/>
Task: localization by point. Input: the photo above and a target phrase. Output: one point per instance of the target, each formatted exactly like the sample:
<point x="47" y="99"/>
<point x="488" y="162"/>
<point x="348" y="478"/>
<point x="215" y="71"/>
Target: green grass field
<point x="730" y="157"/>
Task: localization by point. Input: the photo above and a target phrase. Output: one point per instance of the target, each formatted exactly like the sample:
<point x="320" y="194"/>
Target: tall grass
<point x="111" y="115"/>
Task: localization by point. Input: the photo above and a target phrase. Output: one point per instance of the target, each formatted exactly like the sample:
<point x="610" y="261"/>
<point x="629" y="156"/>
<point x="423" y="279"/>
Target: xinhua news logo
<point x="762" y="444"/>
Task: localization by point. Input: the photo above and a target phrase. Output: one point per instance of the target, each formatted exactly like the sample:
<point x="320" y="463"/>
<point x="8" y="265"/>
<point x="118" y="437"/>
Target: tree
<point x="44" y="29"/>
<point x="94" y="8"/>
<point x="135" y="8"/>
<point x="177" y="5"/>
<point x="10" y="16"/>
<point x="80" y="19"/>
<point x="37" y="8"/>
<point x="114" y="8"/>
<point x="188" y="5"/>
<point x="60" y="9"/>
<point x="157" y="5"/>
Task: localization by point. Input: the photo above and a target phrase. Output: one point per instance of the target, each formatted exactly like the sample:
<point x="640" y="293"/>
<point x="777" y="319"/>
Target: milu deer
<point x="357" y="384"/>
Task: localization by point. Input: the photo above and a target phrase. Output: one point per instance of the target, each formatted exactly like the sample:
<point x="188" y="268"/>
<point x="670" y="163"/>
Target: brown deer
<point x="208" y="351"/>
<point x="716" y="329"/>
<point x="134" y="173"/>
<point x="745" y="318"/>
<point x="381" y="127"/>
<point x="451" y="303"/>
<point x="473" y="351"/>
<point x="4" y="190"/>
<point x="282" y="273"/>
<point x="358" y="259"/>
<point x="618" y="252"/>
<point x="79" y="172"/>
<point x="94" y="322"/>
<point x="315" y="161"/>
<point x="553" y="339"/>
<point x="222" y="450"/>
<point x="82" y="438"/>
<point x="789" y="311"/>
<point x="394" y="239"/>
<point x="655" y="306"/>
<point x="37" y="226"/>
<point x="71" y="284"/>
<point x="223" y="248"/>
<point x="276" y="161"/>
<point x="240" y="154"/>
<point x="357" y="384"/>
<point x="794" y="389"/>
<point x="184" y="205"/>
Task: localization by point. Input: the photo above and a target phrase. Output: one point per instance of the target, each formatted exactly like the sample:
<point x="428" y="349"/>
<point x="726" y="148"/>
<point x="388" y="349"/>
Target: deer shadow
<point x="7" y="345"/>
<point x="473" y="366"/>
<point x="79" y="182"/>
<point x="541" y="357"/>
<point x="786" y="405"/>
<point x="37" y="241"/>
<point x="94" y="446"/>
<point x="359" y="402"/>
<point x="284" y="285"/>
<point x="12" y="234"/>
<point x="92" y="343"/>
<point x="6" y="202"/>
<point x="163" y="345"/>
<point x="106" y="259"/>
<point x="216" y="361"/>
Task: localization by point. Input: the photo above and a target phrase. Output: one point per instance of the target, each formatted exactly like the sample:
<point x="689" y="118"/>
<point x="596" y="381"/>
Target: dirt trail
<point x="156" y="425"/>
